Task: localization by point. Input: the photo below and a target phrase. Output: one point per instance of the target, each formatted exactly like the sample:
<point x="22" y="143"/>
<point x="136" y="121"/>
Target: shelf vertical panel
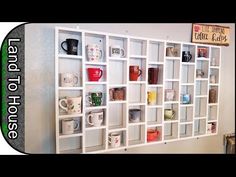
<point x="56" y="90"/>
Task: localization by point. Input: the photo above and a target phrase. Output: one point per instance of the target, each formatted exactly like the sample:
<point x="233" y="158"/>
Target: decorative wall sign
<point x="210" y="34"/>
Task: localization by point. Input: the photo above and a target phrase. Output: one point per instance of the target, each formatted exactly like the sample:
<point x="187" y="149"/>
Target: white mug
<point x="117" y="51"/>
<point x="114" y="139"/>
<point x="93" y="52"/>
<point x="69" y="79"/>
<point x="69" y="126"/>
<point x="95" y="119"/>
<point x="73" y="105"/>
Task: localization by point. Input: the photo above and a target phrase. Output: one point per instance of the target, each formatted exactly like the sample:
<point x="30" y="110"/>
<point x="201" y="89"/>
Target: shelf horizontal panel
<point x="185" y="122"/>
<point x="70" y="136"/>
<point x="72" y="151"/>
<point x="171" y="80"/>
<point x="95" y="63"/>
<point x="94" y="148"/>
<point x="171" y="121"/>
<point x="171" y="102"/>
<point x="203" y="59"/>
<point x="116" y="128"/>
<point x="136" y="104"/>
<point x="94" y="128"/>
<point x="201" y="96"/>
<point x="154" y="106"/>
<point x="118" y="102"/>
<point x="186" y="105"/>
<point x="185" y="135"/>
<point x="210" y="121"/>
<point x="200" y="117"/>
<point x="70" y="88"/>
<point x="70" y="56"/>
<point x="212" y="104"/>
<point x="115" y="58"/>
<point x="137" y="82"/>
<point x="95" y="83"/>
<point x="63" y="116"/>
<point x="117" y="85"/>
<point x="96" y="107"/>
<point x="173" y="58"/>
<point x="155" y="63"/>
<point x="153" y="124"/>
<point x="201" y="79"/>
<point x="187" y="83"/>
<point x="214" y="67"/>
<point x="137" y="123"/>
<point x="155" y="85"/>
<point x="138" y="56"/>
<point x="188" y="63"/>
<point x="214" y="85"/>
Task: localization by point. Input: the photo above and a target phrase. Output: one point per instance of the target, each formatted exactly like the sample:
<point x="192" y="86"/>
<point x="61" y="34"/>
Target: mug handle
<point x="123" y="52"/>
<point x="89" y="99"/>
<point x="140" y="72"/>
<point x="62" y="46"/>
<point x="190" y="57"/>
<point x="109" y="139"/>
<point x="76" y="79"/>
<point x="88" y="119"/>
<point x="61" y="106"/>
<point x="101" y="72"/>
<point x="101" y="54"/>
<point x="173" y="115"/>
<point x="76" y="125"/>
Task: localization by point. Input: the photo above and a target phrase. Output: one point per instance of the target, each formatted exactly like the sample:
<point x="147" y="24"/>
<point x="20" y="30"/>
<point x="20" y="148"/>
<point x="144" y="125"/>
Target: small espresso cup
<point x="73" y="104"/>
<point x="117" y="51"/>
<point x="95" y="118"/>
<point x="69" y="126"/>
<point x="134" y="115"/>
<point x="114" y="140"/>
<point x="69" y="79"/>
<point x="186" y="56"/>
<point x="72" y="46"/>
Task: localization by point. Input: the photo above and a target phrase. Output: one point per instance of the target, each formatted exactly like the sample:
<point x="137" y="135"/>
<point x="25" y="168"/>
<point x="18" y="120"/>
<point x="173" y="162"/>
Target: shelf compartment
<point x="141" y="112"/>
<point x="160" y="73"/>
<point x="72" y="67"/>
<point x="174" y="107"/>
<point x="158" y="136"/>
<point x="176" y="47"/>
<point x="78" y="132"/>
<point x="199" y="127"/>
<point x="172" y="86"/>
<point x="63" y="94"/>
<point x="142" y="66"/>
<point x="211" y="127"/>
<point x="120" y="77"/>
<point x="215" y="55"/>
<point x="136" y="135"/>
<point x="186" y="130"/>
<point x="98" y="39"/>
<point x="201" y="88"/>
<point x="117" y="116"/>
<point x="138" y="47"/>
<point x="186" y="114"/>
<point x="212" y="112"/>
<point x="63" y="35"/>
<point x="156" y="51"/>
<point x="95" y="140"/>
<point x="99" y="114"/>
<point x="137" y="93"/>
<point x="170" y="131"/>
<point x="159" y="95"/>
<point x="118" y="42"/>
<point x="101" y="67"/>
<point x="117" y="95"/>
<point x="203" y="51"/>
<point x="200" y="107"/>
<point x="217" y="93"/>
<point x="70" y="145"/>
<point x="172" y="69"/>
<point x="215" y="73"/>
<point x="154" y="116"/>
<point x="203" y="66"/>
<point x="95" y="89"/>
<point x="187" y="89"/>
<point x="187" y="74"/>
<point x="122" y="139"/>
<point x="191" y="49"/>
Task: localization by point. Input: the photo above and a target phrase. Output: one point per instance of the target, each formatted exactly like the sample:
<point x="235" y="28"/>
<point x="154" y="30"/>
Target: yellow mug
<point x="152" y="97"/>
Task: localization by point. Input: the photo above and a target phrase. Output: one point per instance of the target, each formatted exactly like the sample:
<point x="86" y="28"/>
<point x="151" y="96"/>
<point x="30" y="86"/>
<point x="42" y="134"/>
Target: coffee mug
<point x="186" y="98"/>
<point x="69" y="126"/>
<point x="114" y="139"/>
<point x="69" y="79"/>
<point x="117" y="51"/>
<point x="153" y="75"/>
<point x="93" y="52"/>
<point x="134" y="115"/>
<point x="151" y="97"/>
<point x="199" y="73"/>
<point x="202" y="52"/>
<point x="212" y="96"/>
<point x="95" y="118"/>
<point x="171" y="52"/>
<point x="134" y="73"/>
<point x="186" y="56"/>
<point x="169" y="95"/>
<point x="152" y="135"/>
<point x="72" y="46"/>
<point x="73" y="105"/>
<point x="95" y="98"/>
<point x="119" y="94"/>
<point x="169" y="114"/>
<point x="94" y="74"/>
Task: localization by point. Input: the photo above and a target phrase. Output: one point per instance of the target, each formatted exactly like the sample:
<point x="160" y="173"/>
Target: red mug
<point x="134" y="73"/>
<point x="152" y="135"/>
<point x="94" y="74"/>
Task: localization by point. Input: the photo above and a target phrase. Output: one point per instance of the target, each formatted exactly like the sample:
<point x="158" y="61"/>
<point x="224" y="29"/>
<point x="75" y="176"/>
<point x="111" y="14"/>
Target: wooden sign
<point x="210" y="34"/>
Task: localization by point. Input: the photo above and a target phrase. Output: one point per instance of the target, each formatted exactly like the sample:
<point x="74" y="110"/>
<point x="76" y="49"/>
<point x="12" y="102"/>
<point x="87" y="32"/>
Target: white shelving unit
<point x="190" y="121"/>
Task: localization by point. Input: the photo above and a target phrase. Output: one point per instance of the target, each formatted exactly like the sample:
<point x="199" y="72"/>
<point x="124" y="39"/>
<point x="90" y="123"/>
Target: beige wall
<point x="39" y="89"/>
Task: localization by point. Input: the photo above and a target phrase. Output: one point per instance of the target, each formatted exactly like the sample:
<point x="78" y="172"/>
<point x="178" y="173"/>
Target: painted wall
<point x="39" y="86"/>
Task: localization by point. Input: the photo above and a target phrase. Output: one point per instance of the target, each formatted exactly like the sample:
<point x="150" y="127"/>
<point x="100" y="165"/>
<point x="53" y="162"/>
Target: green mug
<point x="169" y="114"/>
<point x="95" y="98"/>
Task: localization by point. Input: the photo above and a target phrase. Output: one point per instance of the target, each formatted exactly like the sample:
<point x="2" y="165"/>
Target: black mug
<point x="72" y="46"/>
<point x="186" y="56"/>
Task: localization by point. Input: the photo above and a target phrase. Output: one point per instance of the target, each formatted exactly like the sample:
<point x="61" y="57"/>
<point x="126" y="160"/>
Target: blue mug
<point x="186" y="98"/>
